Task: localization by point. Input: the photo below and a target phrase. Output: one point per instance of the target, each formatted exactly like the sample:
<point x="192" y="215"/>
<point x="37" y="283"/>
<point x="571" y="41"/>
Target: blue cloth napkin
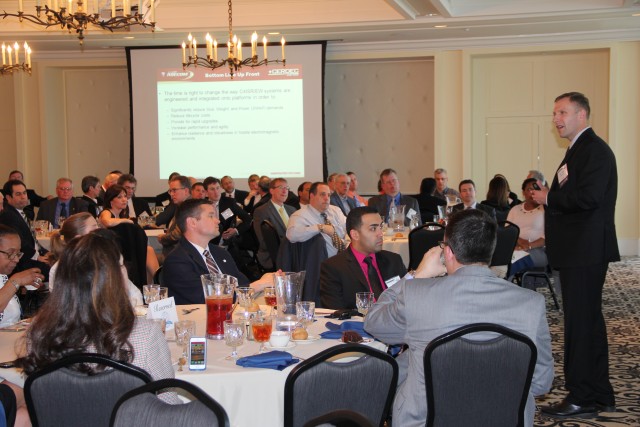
<point x="271" y="360"/>
<point x="335" y="330"/>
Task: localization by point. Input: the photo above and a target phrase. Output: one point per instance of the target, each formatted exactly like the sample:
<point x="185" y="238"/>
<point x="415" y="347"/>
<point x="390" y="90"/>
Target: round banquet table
<point x="45" y="240"/>
<point x="398" y="245"/>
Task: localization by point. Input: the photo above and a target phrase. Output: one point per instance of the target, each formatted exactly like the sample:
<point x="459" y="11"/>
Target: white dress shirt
<point x="303" y="225"/>
<point x="11" y="313"/>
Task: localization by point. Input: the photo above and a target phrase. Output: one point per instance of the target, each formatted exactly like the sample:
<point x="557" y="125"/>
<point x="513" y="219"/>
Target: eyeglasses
<point x="65" y="188"/>
<point x="282" y="187"/>
<point x="13" y="256"/>
<point x="173" y="190"/>
<point x="442" y="244"/>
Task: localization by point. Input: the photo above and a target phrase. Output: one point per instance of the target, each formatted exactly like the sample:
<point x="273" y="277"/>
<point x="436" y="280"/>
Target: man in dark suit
<point x="363" y="267"/>
<point x="91" y="189"/>
<point x="277" y="212"/>
<point x="340" y="197"/>
<point x="34" y="198"/>
<point x="135" y="205"/>
<point x="234" y="221"/>
<point x="63" y="206"/>
<point x="188" y="261"/>
<point x="467" y="190"/>
<point x="13" y="216"/>
<point x="109" y="180"/>
<point x="230" y="190"/>
<point x="581" y="241"/>
<point x="391" y="187"/>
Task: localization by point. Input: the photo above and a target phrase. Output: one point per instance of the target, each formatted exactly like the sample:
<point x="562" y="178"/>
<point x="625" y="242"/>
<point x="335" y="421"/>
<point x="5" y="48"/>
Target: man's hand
<point x="431" y="264"/>
<point x="540" y="196"/>
<point x="229" y="233"/>
<point x="328" y="229"/>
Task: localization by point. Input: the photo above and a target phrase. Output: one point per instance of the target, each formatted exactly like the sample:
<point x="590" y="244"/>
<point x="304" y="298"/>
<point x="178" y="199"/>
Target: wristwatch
<point x="321" y="227"/>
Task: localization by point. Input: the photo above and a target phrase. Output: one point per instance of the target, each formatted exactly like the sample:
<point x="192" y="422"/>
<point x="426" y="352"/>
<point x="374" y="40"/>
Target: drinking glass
<point x="163" y="293"/>
<point x="184" y="330"/>
<point x="261" y="328"/>
<point x="364" y="300"/>
<point x="245" y="297"/>
<point x="233" y="337"/>
<point x="305" y="311"/>
<point x="151" y="293"/>
<point x="270" y="297"/>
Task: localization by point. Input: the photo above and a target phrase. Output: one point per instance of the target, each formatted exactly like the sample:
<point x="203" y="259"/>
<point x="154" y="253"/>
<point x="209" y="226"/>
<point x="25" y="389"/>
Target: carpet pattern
<point x="621" y="308"/>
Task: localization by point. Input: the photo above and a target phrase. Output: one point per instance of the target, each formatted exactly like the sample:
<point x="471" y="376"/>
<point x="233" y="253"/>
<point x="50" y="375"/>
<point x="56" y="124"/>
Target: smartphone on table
<point x="197" y="354"/>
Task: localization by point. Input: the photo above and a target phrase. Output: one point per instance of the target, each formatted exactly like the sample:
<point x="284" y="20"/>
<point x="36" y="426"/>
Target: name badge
<point x="166" y="202"/>
<point x="227" y="214"/>
<point x="563" y="173"/>
<point x="411" y="213"/>
<point x="392" y="281"/>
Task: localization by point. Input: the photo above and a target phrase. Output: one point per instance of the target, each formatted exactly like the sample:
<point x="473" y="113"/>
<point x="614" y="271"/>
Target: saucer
<point x="309" y="340"/>
<point x="289" y="345"/>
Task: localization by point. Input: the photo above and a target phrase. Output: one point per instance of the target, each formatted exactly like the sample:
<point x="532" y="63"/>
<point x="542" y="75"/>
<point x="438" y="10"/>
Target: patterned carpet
<point x="621" y="306"/>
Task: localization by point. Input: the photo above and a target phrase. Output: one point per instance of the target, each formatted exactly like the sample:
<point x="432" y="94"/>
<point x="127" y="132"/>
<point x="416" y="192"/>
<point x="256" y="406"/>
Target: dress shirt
<point x="303" y="225"/>
<point x="132" y="210"/>
<point x="11" y="313"/>
<point x="201" y="250"/>
<point x="365" y="269"/>
<point x="345" y="204"/>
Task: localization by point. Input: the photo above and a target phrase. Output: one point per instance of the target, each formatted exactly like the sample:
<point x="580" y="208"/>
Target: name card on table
<point x="164" y="309"/>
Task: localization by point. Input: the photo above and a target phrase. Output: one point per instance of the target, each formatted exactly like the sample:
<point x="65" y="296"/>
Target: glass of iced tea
<point x="261" y="327"/>
<point x="270" y="297"/>
<point x="218" y="295"/>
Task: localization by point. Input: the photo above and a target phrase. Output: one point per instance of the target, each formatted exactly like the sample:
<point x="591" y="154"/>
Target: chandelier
<point x="11" y="59"/>
<point x="77" y="16"/>
<point x="234" y="59"/>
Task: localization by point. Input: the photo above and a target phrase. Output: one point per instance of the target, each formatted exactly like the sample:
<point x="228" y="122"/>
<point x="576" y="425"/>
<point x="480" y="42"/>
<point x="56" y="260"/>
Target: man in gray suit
<point x="391" y="187"/>
<point x="417" y="311"/>
<point x="277" y="213"/>
<point x="340" y="197"/>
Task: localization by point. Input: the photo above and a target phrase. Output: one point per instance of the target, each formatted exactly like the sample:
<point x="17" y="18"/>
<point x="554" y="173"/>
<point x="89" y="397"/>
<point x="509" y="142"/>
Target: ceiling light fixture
<point x="11" y="59"/>
<point x="78" y="15"/>
<point x="234" y="59"/>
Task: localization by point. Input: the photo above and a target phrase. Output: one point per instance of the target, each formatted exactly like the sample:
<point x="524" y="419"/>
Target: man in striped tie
<point x="195" y="255"/>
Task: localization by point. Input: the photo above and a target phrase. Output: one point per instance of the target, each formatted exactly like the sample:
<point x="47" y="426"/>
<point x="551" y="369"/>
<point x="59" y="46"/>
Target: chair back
<point x="508" y="234"/>
<point x="319" y="386"/>
<point x="271" y="240"/>
<point x="341" y="418"/>
<point x="304" y="256"/>
<point x="57" y="395"/>
<point x="158" y="276"/>
<point x="142" y="407"/>
<point x="482" y="383"/>
<point x="421" y="239"/>
<point x="133" y="245"/>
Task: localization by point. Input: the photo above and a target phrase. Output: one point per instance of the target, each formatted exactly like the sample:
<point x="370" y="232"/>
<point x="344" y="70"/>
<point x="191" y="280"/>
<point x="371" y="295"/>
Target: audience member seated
<point x="80" y="225"/>
<point x="513" y="197"/>
<point x="468" y="195"/>
<point x="391" y="187"/>
<point x="340" y="197"/>
<point x="109" y="180"/>
<point x="90" y="190"/>
<point x="230" y="190"/>
<point x="331" y="181"/>
<point x="318" y="217"/>
<point x="303" y="193"/>
<point x="195" y="255"/>
<point x="353" y="190"/>
<point x="34" y="199"/>
<point x="538" y="177"/>
<point x="179" y="190"/>
<point x="62" y="206"/>
<point x="427" y="202"/>
<point x="498" y="197"/>
<point x="263" y="193"/>
<point x="254" y="195"/>
<point x="198" y="191"/>
<point x="529" y="216"/>
<point x="163" y="199"/>
<point x="234" y="221"/>
<point x="417" y="311"/>
<point x="90" y="312"/>
<point x="277" y="213"/>
<point x="442" y="181"/>
<point x="135" y="205"/>
<point x="363" y="266"/>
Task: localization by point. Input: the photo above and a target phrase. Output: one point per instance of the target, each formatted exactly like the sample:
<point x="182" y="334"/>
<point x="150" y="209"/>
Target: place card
<point x="164" y="309"/>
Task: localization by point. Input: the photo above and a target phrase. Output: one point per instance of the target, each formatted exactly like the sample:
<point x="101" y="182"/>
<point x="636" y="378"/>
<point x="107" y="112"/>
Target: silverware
<point x="189" y="310"/>
<point x="230" y="313"/>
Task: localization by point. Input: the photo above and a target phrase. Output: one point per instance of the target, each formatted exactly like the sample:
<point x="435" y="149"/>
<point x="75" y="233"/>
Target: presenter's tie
<point x="211" y="263"/>
<point x="335" y="239"/>
<point x="374" y="279"/>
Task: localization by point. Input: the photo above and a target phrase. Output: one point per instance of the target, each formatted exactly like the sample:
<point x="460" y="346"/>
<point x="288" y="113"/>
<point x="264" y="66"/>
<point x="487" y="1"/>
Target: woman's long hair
<point x="89" y="312"/>
<point x="498" y="192"/>
<point x="72" y="227"/>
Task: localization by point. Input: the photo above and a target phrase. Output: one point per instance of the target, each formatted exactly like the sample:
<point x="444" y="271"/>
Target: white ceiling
<point x="362" y="23"/>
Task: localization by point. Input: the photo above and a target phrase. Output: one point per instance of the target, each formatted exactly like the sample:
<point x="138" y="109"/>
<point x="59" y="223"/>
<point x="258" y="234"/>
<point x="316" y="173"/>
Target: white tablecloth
<point x="45" y="241"/>
<point x="399" y="245"/>
<point x="251" y="396"/>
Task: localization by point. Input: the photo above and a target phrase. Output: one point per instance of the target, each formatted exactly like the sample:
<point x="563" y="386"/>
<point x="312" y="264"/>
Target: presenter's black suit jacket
<point x="47" y="210"/>
<point x="579" y="217"/>
<point x="341" y="277"/>
<point x="484" y="208"/>
<point x="184" y="265"/>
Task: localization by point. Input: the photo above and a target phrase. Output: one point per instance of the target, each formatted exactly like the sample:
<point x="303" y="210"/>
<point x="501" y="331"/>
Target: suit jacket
<point x="161" y="198"/>
<point x="12" y="218"/>
<point x="47" y="211"/>
<point x="92" y="207"/>
<point x="484" y="208"/>
<point x="341" y="277"/>
<point x="579" y="217"/>
<point x="139" y="205"/>
<point x="231" y="222"/>
<point x="335" y="200"/>
<point x="379" y="202"/>
<point x="34" y="200"/>
<point x="183" y="267"/>
<point x="417" y="311"/>
<point x="165" y="217"/>
<point x="239" y="196"/>
<point x="269" y="212"/>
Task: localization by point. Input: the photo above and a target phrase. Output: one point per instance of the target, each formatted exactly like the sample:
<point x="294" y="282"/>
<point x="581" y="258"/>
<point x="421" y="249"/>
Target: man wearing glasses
<point x="135" y="205"/>
<point x="417" y="311"/>
<point x="63" y="206"/>
<point x="179" y="190"/>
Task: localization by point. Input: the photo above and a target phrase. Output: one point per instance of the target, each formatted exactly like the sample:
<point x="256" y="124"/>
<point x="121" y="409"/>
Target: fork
<point x="189" y="310"/>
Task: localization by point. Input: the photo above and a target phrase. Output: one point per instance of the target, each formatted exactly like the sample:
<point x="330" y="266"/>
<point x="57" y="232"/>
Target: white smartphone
<point x="198" y="353"/>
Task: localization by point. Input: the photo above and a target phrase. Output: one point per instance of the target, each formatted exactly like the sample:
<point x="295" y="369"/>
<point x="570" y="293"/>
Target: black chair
<point x="340" y="418"/>
<point x="321" y="385"/>
<point x="304" y="256"/>
<point x="478" y="383"/>
<point x="421" y="239"/>
<point x="141" y="407"/>
<point x="508" y="234"/>
<point x="57" y="395"/>
<point x="272" y="240"/>
<point x="133" y="244"/>
<point x="533" y="277"/>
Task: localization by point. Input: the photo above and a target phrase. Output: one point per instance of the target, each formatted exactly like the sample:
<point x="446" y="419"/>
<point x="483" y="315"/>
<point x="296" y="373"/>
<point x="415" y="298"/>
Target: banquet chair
<point x="133" y="244"/>
<point x="271" y="240"/>
<point x="533" y="277"/>
<point x="341" y="418"/>
<point x="304" y="256"/>
<point x="322" y="384"/>
<point x="57" y="395"/>
<point x="478" y="382"/>
<point x="508" y="234"/>
<point x="141" y="407"/>
<point x="421" y="239"/>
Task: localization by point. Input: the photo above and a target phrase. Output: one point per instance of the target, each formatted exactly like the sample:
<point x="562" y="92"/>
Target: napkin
<point x="335" y="330"/>
<point x="271" y="360"/>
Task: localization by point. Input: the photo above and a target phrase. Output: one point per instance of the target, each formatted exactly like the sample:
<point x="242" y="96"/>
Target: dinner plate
<point x="364" y="341"/>
<point x="288" y="346"/>
<point x="309" y="340"/>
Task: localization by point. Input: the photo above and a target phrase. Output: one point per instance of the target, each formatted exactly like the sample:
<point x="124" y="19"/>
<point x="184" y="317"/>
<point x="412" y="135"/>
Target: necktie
<point x="63" y="213"/>
<point x="24" y="216"/>
<point x="211" y="263"/>
<point x="283" y="216"/>
<point x="335" y="239"/>
<point x="374" y="279"/>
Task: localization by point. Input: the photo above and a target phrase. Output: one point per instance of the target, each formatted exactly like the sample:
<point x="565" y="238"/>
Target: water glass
<point x="305" y="312"/>
<point x="163" y="293"/>
<point x="184" y="329"/>
<point x="364" y="301"/>
<point x="233" y="336"/>
<point x="151" y="293"/>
